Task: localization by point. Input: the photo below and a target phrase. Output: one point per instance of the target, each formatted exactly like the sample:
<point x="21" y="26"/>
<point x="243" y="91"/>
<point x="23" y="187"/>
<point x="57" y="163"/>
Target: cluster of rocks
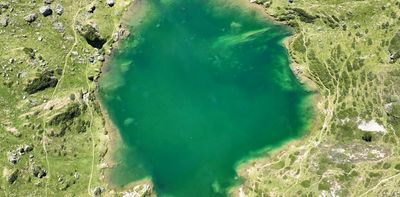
<point x="38" y="171"/>
<point x="121" y="33"/>
<point x="14" y="156"/>
<point x="97" y="191"/>
<point x="45" y="10"/>
<point x="4" y="20"/>
<point x="139" y="190"/>
<point x="265" y="3"/>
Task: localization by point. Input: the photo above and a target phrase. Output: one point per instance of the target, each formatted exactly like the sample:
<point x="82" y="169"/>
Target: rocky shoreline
<point x="138" y="188"/>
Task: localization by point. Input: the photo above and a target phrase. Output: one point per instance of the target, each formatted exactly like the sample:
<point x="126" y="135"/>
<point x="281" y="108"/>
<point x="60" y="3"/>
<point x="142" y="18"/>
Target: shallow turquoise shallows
<point x="200" y="86"/>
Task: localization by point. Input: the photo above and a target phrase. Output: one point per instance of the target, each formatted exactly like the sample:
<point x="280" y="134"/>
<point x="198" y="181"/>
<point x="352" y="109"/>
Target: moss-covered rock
<point x="43" y="80"/>
<point x="72" y="111"/>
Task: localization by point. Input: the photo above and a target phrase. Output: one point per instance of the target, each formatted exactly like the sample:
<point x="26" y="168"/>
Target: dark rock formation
<point x="70" y="113"/>
<point x="12" y="177"/>
<point x="44" y="80"/>
<point x="45" y="10"/>
<point x="92" y="36"/>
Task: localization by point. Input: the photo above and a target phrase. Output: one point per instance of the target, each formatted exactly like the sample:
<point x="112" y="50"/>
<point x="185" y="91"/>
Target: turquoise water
<point x="199" y="86"/>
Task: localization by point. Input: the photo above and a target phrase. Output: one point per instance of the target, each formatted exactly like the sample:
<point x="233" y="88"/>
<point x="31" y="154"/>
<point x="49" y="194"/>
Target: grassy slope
<point x="71" y="160"/>
<point x="342" y="46"/>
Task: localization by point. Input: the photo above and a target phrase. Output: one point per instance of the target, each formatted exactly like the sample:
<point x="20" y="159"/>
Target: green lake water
<point x="200" y="86"/>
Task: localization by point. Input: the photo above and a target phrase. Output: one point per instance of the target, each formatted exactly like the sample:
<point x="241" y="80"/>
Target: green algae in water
<point x="199" y="87"/>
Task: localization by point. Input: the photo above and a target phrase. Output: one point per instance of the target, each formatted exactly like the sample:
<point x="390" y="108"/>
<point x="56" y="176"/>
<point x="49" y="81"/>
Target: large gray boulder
<point x="30" y="17"/>
<point x="45" y="10"/>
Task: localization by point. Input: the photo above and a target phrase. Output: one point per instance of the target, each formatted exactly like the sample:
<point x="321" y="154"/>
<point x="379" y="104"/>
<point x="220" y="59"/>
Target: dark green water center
<point x="200" y="86"/>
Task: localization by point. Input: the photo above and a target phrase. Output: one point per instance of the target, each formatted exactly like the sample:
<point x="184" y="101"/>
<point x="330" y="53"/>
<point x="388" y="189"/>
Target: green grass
<point x="342" y="46"/>
<point x="345" y="52"/>
<point x="70" y="157"/>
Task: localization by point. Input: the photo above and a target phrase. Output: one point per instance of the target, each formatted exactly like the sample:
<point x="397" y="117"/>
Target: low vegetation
<point x="52" y="133"/>
<point x="348" y="51"/>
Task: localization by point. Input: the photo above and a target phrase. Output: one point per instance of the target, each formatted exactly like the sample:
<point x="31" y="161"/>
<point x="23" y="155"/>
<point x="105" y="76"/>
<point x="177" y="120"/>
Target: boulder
<point x="91" y="59"/>
<point x="91" y="8"/>
<point x="30" y="17"/>
<point x="12" y="177"/>
<point x="110" y="3"/>
<point x="45" y="10"/>
<point x="101" y="58"/>
<point x="59" y="9"/>
<point x="12" y="158"/>
<point x="4" y="21"/>
<point x="28" y="148"/>
<point x="47" y="1"/>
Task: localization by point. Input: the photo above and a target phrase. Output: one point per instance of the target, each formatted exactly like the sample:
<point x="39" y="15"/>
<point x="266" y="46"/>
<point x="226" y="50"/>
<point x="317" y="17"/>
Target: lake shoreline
<point x="114" y="135"/>
<point x="243" y="168"/>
